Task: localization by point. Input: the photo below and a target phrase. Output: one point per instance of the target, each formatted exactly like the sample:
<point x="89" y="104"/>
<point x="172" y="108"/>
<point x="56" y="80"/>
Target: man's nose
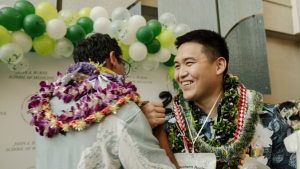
<point x="183" y="72"/>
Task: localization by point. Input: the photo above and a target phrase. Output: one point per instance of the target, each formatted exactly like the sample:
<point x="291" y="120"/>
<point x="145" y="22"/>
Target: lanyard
<point x="194" y="140"/>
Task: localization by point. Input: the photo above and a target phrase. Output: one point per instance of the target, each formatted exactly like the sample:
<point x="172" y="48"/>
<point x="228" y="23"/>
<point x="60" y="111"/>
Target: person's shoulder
<point x="128" y="111"/>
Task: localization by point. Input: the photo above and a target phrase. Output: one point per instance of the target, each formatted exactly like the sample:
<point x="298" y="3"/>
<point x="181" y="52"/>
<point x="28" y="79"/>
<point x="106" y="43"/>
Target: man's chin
<point x="187" y="97"/>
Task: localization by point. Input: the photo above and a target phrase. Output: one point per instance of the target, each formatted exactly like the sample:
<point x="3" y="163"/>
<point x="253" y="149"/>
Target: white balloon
<point x="121" y="14"/>
<point x="130" y="37"/>
<point x="56" y="28"/>
<point x="168" y="21"/>
<point x="98" y="12"/>
<point x="63" y="48"/>
<point x="138" y="51"/>
<point x="68" y="17"/>
<point x="117" y="29"/>
<point x="181" y="29"/>
<point x="11" y="53"/>
<point x="137" y="21"/>
<point x="2" y="6"/>
<point x="163" y="54"/>
<point x="172" y="49"/>
<point x="21" y="66"/>
<point x="22" y="39"/>
<point x="101" y="25"/>
<point x="151" y="62"/>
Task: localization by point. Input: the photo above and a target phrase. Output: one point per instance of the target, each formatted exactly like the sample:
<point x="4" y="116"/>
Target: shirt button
<point x="211" y="123"/>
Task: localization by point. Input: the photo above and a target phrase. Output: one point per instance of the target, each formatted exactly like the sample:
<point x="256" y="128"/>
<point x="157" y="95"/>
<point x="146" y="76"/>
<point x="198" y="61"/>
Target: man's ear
<point x="113" y="60"/>
<point x="221" y="65"/>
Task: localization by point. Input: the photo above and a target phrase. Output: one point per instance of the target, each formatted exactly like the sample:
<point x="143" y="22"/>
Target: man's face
<point x="120" y="67"/>
<point x="194" y="72"/>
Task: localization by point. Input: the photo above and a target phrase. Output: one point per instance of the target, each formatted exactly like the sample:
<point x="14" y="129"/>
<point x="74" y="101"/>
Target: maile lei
<point x="230" y="144"/>
<point x="98" y="90"/>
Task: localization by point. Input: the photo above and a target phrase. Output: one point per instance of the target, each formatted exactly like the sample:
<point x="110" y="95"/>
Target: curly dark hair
<point x="97" y="47"/>
<point x="214" y="45"/>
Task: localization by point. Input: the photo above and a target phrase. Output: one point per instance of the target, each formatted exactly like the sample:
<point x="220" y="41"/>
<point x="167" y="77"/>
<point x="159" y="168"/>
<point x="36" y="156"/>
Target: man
<point x="228" y="112"/>
<point x="122" y="138"/>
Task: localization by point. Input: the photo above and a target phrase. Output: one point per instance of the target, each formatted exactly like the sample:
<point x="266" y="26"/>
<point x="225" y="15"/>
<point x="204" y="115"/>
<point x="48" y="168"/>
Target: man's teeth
<point x="186" y="83"/>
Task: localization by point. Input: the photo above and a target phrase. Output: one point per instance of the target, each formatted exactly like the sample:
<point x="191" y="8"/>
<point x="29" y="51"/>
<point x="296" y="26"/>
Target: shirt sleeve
<point x="138" y="148"/>
<point x="277" y="155"/>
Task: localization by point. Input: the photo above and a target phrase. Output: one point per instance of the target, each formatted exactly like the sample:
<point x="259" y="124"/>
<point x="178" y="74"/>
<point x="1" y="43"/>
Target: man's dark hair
<point x="97" y="48"/>
<point x="214" y="45"/>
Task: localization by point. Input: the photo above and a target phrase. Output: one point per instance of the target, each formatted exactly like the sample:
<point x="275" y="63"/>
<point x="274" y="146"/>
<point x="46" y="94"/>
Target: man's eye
<point x="176" y="66"/>
<point x="189" y="63"/>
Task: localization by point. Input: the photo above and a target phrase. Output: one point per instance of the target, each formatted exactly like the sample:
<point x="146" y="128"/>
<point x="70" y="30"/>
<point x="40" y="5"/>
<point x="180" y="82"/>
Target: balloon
<point x="11" y="19"/>
<point x="98" y="12"/>
<point x="171" y="72"/>
<point x="25" y="8"/>
<point x="121" y="14"/>
<point x="181" y="29"/>
<point x="163" y="55"/>
<point x="137" y="21"/>
<point x="166" y="38"/>
<point x="63" y="48"/>
<point x="135" y="65"/>
<point x="75" y="33"/>
<point x="5" y="36"/>
<point x="43" y="45"/>
<point x="101" y="25"/>
<point x="56" y="29"/>
<point x="170" y="62"/>
<point x="11" y="53"/>
<point x="34" y="25"/>
<point x="144" y="34"/>
<point x="47" y="11"/>
<point x="150" y="63"/>
<point x="86" y="23"/>
<point x="130" y="37"/>
<point x="0" y="59"/>
<point x="155" y="26"/>
<point x="84" y="12"/>
<point x="117" y="29"/>
<point x="172" y="49"/>
<point x="138" y="51"/>
<point x="22" y="39"/>
<point x="153" y="47"/>
<point x="21" y="66"/>
<point x="68" y="16"/>
<point x="125" y="50"/>
<point x="76" y="13"/>
<point x="168" y="21"/>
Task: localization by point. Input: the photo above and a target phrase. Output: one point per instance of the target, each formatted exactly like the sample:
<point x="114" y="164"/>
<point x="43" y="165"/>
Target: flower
<point x="98" y="116"/>
<point x="80" y="124"/>
<point x="85" y="67"/>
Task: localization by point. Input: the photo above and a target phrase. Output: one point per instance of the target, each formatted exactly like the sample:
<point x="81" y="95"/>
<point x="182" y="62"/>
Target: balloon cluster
<point x="24" y="28"/>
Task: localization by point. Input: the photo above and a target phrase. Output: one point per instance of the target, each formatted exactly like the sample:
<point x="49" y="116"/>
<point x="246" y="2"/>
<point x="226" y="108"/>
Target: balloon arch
<point x="45" y="31"/>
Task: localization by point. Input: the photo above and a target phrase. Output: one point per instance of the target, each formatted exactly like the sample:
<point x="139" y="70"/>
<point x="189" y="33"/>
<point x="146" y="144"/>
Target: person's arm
<point x="277" y="155"/>
<point x="138" y="148"/>
<point x="155" y="113"/>
<point x="160" y="133"/>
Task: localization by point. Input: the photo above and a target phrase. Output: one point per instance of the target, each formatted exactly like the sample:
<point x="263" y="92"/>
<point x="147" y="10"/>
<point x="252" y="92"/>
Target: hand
<point x="155" y="113"/>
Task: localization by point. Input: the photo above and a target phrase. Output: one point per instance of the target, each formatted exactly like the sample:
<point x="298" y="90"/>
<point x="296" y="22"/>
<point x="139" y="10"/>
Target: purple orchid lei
<point x="92" y="100"/>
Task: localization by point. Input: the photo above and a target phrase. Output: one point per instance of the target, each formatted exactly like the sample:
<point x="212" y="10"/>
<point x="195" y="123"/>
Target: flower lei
<point x="94" y="104"/>
<point x="234" y="118"/>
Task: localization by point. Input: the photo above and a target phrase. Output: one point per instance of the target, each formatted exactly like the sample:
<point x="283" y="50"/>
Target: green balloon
<point x="144" y="34"/>
<point x="170" y="62"/>
<point x="153" y="47"/>
<point x="75" y="33"/>
<point x="34" y="25"/>
<point x="155" y="26"/>
<point x="86" y="23"/>
<point x="25" y="8"/>
<point x="125" y="51"/>
<point x="10" y="18"/>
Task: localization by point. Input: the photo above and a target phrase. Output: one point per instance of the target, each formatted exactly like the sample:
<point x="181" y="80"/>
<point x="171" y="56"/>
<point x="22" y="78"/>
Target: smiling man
<point x="214" y="113"/>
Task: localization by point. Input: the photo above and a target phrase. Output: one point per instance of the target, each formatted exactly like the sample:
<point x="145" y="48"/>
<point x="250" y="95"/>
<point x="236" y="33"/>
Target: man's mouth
<point x="185" y="83"/>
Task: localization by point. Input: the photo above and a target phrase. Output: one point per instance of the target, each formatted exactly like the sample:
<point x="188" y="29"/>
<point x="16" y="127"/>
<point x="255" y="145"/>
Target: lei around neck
<point x="79" y="83"/>
<point x="245" y="122"/>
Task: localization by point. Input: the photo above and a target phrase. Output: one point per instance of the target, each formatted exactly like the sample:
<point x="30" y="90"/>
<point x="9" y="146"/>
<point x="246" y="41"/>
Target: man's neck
<point x="207" y="103"/>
